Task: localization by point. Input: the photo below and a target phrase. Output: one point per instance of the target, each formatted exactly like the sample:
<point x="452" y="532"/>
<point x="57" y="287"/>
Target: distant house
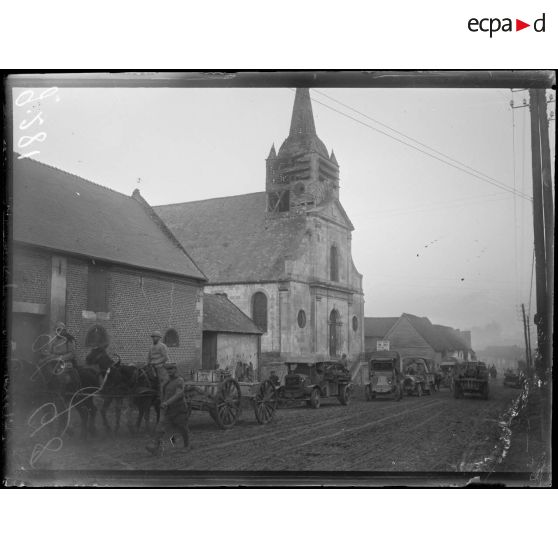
<point x="416" y="336"/>
<point x="231" y="340"/>
<point x="101" y="262"/>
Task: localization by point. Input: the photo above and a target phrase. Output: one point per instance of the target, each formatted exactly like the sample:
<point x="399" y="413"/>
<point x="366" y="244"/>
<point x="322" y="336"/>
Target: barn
<point x="101" y="262"/>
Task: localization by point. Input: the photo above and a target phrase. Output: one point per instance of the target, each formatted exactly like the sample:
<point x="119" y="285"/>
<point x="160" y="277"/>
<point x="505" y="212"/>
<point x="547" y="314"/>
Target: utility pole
<point x="548" y="209"/>
<point x="529" y="353"/>
<point x="527" y="361"/>
<point x="538" y="226"/>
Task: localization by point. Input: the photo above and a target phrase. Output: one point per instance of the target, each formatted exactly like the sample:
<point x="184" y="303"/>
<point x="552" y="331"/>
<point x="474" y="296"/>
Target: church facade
<point x="283" y="256"/>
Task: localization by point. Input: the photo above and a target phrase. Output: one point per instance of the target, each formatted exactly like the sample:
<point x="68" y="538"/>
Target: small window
<point x="97" y="289"/>
<point x="355" y="323"/>
<point x="333" y="264"/>
<point x="171" y="338"/>
<point x="96" y="337"/>
<point x="301" y="318"/>
<point x="259" y="310"/>
<point x="278" y="202"/>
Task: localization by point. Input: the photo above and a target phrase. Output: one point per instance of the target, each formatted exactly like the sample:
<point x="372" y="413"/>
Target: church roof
<point x="221" y="315"/>
<point x="56" y="210"/>
<point x="302" y="134"/>
<point x="232" y="240"/>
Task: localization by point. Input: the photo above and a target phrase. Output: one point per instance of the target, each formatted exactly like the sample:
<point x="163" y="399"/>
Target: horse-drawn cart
<point x="218" y="393"/>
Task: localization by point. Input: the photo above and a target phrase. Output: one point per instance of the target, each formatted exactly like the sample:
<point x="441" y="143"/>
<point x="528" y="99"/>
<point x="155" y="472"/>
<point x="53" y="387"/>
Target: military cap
<point x="170" y="366"/>
<point x="156" y="334"/>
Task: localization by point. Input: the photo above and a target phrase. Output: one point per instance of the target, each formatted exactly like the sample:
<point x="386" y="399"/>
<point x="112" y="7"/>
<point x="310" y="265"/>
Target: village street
<point x="430" y="433"/>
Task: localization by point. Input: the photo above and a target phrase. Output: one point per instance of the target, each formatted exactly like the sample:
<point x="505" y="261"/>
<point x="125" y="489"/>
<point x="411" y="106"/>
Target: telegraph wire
<point x="477" y="176"/>
<point x="414" y="140"/>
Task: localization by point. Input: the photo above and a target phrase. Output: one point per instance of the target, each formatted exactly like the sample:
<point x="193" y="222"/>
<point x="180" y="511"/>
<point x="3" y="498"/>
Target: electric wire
<point x="477" y="176"/>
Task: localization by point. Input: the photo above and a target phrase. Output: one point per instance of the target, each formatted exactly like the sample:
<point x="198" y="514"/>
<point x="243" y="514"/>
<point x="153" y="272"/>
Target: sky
<point x="429" y="238"/>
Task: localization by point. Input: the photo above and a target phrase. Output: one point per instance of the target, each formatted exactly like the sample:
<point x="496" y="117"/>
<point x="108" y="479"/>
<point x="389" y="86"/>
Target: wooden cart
<point x="221" y="396"/>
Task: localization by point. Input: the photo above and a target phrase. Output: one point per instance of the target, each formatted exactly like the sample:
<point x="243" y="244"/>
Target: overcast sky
<point x="429" y="239"/>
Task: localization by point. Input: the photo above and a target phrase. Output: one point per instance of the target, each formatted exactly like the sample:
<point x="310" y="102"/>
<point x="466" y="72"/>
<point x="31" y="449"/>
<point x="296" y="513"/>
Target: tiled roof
<point x="451" y="338"/>
<point x="57" y="210"/>
<point x="378" y="327"/>
<point x="232" y="240"/>
<point x="220" y="314"/>
<point x="426" y="330"/>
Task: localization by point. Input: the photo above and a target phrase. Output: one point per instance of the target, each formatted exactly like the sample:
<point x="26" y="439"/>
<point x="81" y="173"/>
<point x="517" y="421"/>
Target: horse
<point x="146" y="395"/>
<point x="75" y="387"/>
<point x="118" y="380"/>
<point x="122" y="381"/>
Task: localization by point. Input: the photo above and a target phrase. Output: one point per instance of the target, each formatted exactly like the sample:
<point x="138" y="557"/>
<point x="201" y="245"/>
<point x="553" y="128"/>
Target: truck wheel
<point x="345" y="394"/>
<point x="315" y="399"/>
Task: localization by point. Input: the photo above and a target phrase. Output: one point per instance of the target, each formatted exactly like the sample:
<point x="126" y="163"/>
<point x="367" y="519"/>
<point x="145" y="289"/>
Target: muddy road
<point x="430" y="433"/>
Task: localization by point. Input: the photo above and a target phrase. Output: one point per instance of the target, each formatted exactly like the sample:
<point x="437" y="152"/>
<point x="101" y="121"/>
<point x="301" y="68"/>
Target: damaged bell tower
<point x="301" y="175"/>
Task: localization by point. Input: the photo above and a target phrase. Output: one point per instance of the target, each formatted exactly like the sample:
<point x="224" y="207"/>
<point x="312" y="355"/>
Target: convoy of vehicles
<point x="384" y="375"/>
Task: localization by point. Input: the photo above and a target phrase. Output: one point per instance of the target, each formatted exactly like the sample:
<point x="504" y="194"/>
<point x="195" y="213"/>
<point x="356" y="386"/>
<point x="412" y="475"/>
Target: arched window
<point x="259" y="310"/>
<point x="334" y="333"/>
<point x="333" y="264"/>
<point x="96" y="337"/>
<point x="171" y="338"/>
<point x="355" y="323"/>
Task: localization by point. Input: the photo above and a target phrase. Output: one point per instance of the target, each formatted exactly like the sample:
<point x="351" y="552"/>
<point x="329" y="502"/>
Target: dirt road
<point x="430" y="433"/>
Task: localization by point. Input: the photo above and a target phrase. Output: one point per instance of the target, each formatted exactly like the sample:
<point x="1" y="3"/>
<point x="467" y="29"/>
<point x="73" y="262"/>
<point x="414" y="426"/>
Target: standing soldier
<point x="175" y="412"/>
<point x="157" y="357"/>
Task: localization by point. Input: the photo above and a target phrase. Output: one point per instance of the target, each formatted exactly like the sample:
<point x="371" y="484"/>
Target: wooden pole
<point x="538" y="226"/>
<point x="526" y="342"/>
<point x="548" y="208"/>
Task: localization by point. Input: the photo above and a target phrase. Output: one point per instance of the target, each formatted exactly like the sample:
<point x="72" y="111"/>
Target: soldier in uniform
<point x="60" y="348"/>
<point x="157" y="356"/>
<point x="175" y="412"/>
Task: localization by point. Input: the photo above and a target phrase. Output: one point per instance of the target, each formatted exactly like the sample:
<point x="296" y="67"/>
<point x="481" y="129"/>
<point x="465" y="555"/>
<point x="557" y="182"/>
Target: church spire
<point x="302" y="120"/>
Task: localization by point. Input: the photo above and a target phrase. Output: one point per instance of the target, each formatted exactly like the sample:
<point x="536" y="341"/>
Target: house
<point x="412" y="335"/>
<point x="101" y="262"/>
<point x="283" y="255"/>
<point x="231" y="340"/>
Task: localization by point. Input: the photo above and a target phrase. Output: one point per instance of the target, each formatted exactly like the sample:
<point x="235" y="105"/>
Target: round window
<point x="355" y="323"/>
<point x="301" y="319"/>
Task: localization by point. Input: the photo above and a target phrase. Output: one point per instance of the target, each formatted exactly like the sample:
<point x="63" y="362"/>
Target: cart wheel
<point x="368" y="392"/>
<point x="226" y="410"/>
<point x="315" y="399"/>
<point x="419" y="390"/>
<point x="345" y="395"/>
<point x="265" y="402"/>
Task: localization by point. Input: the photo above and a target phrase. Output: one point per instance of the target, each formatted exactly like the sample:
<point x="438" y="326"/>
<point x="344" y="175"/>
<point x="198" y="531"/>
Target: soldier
<point x="175" y="412"/>
<point x="60" y="348"/>
<point x="157" y="357"/>
<point x="345" y="361"/>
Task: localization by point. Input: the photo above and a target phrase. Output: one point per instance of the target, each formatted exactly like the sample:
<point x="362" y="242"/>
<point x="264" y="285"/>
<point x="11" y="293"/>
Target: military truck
<point x="313" y="378"/>
<point x="384" y="375"/>
<point x="470" y="378"/>
<point x="417" y="377"/>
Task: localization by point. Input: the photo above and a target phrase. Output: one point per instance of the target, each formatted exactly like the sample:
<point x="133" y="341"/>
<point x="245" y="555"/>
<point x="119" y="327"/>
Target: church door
<point x="334" y="333"/>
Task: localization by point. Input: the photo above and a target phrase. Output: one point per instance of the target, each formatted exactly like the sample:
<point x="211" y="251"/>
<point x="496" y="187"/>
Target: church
<point x="283" y="255"/>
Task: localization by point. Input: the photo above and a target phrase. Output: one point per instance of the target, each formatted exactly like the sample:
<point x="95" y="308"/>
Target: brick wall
<point x="138" y="303"/>
<point x="30" y="275"/>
